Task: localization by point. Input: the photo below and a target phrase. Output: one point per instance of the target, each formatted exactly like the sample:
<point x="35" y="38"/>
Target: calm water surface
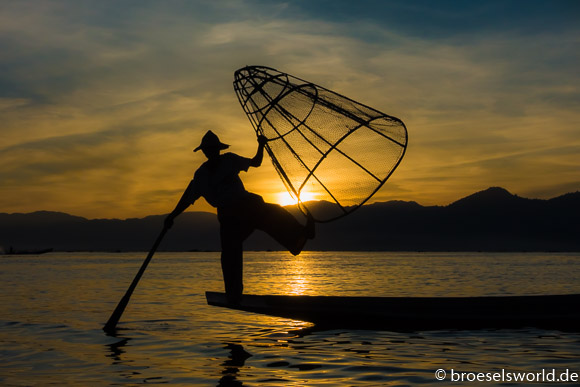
<point x="53" y="307"/>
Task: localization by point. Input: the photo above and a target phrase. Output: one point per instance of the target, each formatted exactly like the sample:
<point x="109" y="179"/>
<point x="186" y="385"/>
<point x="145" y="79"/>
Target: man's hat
<point x="211" y="141"/>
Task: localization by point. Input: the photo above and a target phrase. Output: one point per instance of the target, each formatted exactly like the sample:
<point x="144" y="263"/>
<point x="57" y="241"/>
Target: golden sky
<point x="102" y="102"/>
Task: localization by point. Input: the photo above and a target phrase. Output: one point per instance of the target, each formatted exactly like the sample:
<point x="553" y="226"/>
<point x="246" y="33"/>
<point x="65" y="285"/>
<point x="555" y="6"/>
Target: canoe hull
<point x="560" y="312"/>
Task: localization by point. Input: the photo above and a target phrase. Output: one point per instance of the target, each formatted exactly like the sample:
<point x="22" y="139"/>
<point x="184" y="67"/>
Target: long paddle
<point x="111" y="325"/>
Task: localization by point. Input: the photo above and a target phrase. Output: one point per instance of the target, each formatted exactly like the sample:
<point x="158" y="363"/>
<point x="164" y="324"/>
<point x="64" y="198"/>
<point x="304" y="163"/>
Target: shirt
<point x="218" y="181"/>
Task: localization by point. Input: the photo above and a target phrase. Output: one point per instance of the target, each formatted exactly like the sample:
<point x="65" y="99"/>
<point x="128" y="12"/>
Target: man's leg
<point x="281" y="225"/>
<point x="232" y="258"/>
<point x="234" y="229"/>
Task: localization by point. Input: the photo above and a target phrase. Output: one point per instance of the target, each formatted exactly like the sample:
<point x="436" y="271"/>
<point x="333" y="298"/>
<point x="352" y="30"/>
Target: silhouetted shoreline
<point x="492" y="220"/>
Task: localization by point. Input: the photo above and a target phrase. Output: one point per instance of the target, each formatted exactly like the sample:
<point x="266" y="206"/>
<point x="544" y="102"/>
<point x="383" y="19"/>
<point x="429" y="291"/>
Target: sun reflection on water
<point x="299" y="273"/>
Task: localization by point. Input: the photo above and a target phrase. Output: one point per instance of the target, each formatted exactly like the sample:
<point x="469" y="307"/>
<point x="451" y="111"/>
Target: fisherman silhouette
<point x="239" y="212"/>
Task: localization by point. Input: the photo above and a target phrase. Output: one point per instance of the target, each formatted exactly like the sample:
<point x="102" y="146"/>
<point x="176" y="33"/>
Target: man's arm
<point x="256" y="161"/>
<point x="187" y="199"/>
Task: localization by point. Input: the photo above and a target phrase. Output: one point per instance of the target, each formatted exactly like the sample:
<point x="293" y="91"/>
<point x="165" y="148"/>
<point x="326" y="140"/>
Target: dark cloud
<point x="447" y="18"/>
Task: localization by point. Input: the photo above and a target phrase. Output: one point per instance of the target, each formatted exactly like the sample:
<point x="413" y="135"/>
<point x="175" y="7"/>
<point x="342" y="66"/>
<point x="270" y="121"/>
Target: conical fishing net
<point x="331" y="152"/>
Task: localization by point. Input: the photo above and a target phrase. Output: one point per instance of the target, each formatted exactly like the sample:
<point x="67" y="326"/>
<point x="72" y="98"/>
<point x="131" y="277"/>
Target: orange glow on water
<point x="299" y="271"/>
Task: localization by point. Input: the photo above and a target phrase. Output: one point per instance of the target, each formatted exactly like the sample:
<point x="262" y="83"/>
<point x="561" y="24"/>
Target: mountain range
<point x="490" y="220"/>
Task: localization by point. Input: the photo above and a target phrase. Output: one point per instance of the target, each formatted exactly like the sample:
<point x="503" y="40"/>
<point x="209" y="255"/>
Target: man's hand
<point x="262" y="140"/>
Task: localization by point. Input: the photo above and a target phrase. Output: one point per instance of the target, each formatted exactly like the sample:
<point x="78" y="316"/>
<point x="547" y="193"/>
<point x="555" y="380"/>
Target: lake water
<point x="54" y="306"/>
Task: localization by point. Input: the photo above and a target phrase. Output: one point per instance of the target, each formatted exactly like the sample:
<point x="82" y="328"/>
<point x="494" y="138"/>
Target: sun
<point x="285" y="199"/>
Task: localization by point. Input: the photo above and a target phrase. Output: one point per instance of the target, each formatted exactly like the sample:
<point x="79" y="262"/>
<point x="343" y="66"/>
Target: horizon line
<point x="294" y="205"/>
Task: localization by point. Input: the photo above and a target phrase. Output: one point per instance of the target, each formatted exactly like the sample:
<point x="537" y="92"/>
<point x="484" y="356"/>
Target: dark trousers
<point x="238" y="221"/>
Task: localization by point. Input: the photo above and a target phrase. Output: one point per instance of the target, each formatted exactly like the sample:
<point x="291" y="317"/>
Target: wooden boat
<point x="11" y="251"/>
<point x="561" y="312"/>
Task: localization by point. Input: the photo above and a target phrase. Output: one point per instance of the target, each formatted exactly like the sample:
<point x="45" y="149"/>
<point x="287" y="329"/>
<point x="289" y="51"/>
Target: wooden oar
<point x="111" y="325"/>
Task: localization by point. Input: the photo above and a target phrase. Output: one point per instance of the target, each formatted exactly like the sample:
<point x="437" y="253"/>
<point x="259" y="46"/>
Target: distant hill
<point x="490" y="220"/>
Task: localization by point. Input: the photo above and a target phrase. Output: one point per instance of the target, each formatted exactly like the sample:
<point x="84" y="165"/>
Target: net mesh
<point x="331" y="152"/>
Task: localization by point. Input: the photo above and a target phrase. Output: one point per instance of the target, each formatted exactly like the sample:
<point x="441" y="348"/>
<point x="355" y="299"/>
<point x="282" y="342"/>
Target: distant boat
<point x="11" y="251"/>
<point x="561" y="312"/>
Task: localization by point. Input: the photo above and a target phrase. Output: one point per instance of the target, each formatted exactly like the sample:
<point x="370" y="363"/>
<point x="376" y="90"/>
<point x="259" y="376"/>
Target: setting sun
<point x="285" y="199"/>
